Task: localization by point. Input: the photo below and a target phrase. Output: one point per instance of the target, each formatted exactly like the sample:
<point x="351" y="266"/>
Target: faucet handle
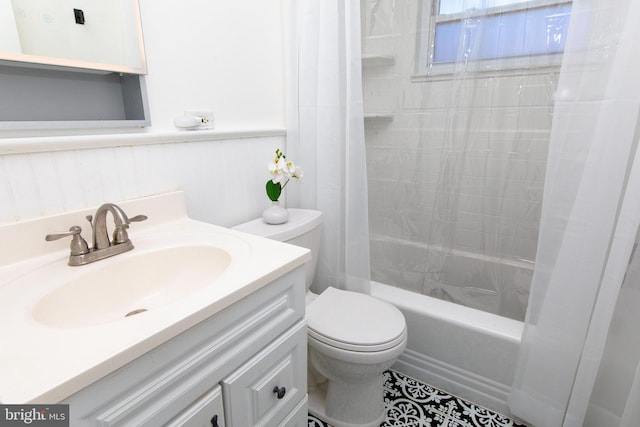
<point x="138" y="218"/>
<point x="78" y="244"/>
<point x="120" y="234"/>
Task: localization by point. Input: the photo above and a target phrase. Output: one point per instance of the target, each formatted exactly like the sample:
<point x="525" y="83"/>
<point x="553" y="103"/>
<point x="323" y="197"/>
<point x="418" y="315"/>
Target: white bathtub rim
<point x="470" y="318"/>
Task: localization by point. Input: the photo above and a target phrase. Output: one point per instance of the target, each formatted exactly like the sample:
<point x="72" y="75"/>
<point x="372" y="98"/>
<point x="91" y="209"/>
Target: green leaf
<point x="273" y="190"/>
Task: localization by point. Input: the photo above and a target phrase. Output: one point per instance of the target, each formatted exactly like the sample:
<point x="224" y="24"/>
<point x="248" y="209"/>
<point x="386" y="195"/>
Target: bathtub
<point x="465" y="351"/>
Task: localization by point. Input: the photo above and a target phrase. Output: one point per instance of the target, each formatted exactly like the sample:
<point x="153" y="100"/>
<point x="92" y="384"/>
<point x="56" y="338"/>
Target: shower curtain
<point x="325" y="134"/>
<point x="579" y="359"/>
<point x="456" y="166"/>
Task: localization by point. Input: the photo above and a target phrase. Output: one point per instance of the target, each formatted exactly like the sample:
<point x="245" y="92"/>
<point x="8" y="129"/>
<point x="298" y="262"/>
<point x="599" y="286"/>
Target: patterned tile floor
<point x="410" y="403"/>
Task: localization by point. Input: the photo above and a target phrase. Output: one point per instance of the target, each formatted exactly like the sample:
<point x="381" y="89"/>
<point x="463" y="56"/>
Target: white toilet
<point x="353" y="338"/>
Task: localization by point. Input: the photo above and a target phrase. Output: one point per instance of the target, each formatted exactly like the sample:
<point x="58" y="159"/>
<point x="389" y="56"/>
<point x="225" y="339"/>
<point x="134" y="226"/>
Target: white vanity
<point x="221" y="347"/>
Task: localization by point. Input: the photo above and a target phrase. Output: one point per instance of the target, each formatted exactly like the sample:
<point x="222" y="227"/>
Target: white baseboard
<point x="454" y="380"/>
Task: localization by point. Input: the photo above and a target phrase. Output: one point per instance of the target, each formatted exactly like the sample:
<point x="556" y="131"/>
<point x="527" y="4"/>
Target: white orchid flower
<point x="289" y="169"/>
<point x="297" y="172"/>
<point x="281" y="170"/>
<point x="276" y="169"/>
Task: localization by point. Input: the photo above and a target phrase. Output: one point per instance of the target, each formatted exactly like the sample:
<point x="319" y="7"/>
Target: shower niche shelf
<point x="376" y="60"/>
<point x="379" y="117"/>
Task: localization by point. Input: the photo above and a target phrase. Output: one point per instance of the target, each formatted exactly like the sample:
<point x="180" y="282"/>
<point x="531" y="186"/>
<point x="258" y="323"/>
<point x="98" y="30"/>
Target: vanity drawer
<point x="207" y="411"/>
<point x="270" y="385"/>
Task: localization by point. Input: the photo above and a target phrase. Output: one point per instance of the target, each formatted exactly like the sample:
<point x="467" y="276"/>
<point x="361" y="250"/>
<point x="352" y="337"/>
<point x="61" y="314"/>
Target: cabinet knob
<point x="214" y="421"/>
<point x="279" y="391"/>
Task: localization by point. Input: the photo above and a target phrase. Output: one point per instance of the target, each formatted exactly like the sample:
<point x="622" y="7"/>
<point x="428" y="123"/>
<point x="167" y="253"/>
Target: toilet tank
<point x="304" y="229"/>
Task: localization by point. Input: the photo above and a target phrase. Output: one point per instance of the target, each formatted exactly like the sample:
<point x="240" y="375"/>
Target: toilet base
<point x="317" y="408"/>
<point x="346" y="394"/>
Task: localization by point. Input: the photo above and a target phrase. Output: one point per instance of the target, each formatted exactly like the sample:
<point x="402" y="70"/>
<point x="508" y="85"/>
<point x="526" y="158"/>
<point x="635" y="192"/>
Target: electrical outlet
<point x="206" y="115"/>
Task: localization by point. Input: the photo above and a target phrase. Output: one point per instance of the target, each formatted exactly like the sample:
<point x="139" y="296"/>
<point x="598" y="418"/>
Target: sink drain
<point x="134" y="312"/>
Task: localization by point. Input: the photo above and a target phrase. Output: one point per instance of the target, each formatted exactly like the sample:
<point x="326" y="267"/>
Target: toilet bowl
<point x="352" y="337"/>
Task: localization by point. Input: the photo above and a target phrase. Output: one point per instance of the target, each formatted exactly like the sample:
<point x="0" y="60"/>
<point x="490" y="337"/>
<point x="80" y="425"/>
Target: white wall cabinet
<point x="245" y="366"/>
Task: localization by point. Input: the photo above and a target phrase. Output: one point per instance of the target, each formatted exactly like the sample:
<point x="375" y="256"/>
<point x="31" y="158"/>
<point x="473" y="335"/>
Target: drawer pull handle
<point x="214" y="421"/>
<point x="279" y="391"/>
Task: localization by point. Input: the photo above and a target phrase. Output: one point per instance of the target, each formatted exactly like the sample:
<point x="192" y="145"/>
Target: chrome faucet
<point x="102" y="246"/>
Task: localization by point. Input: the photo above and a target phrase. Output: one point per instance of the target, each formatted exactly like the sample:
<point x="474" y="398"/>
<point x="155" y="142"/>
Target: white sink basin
<point x="131" y="286"/>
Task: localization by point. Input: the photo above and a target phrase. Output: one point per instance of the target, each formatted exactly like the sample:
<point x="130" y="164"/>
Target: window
<point x="495" y="34"/>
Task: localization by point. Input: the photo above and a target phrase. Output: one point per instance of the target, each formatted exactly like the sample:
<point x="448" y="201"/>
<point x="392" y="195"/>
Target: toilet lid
<point x="355" y="321"/>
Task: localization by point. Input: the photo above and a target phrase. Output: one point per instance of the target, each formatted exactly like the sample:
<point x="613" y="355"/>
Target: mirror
<point x="101" y="35"/>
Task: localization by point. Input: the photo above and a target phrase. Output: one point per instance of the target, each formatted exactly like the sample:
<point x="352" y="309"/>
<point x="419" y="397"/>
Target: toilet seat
<point x="355" y="322"/>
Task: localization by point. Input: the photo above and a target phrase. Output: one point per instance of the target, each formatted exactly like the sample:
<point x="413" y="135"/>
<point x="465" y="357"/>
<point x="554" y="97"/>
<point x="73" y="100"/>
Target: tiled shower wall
<point x="479" y="199"/>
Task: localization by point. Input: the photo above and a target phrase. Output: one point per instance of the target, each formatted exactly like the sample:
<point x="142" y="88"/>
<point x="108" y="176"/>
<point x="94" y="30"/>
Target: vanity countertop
<point x="46" y="363"/>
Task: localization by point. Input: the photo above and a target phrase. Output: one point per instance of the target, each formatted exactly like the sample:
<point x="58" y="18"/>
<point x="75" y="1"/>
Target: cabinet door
<point x="299" y="417"/>
<point x="266" y="389"/>
<point x="207" y="411"/>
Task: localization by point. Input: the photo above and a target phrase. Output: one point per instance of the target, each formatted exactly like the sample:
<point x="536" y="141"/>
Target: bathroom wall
<point x="201" y="54"/>
<point x="485" y="206"/>
<point x="223" y="55"/>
